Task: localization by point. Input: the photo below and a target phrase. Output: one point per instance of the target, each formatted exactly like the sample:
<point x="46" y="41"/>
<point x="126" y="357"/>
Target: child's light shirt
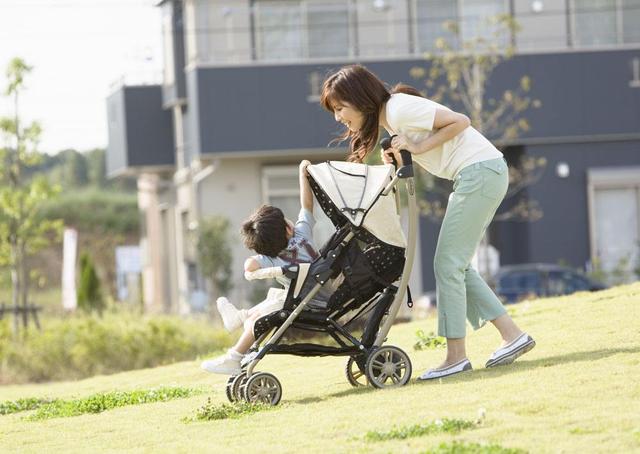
<point x="300" y="248"/>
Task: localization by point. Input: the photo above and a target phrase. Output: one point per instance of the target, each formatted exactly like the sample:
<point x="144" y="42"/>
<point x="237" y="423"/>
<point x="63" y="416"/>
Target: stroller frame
<point x="370" y="359"/>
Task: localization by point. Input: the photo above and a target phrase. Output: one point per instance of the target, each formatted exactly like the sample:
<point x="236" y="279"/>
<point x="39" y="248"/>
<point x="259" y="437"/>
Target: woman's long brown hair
<point x="363" y="90"/>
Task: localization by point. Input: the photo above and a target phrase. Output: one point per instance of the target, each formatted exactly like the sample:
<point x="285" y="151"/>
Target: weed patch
<point x="460" y="447"/>
<point x="426" y="342"/>
<point x="212" y="411"/>
<point x="100" y="402"/>
<point x="418" y="430"/>
<point x="26" y="404"/>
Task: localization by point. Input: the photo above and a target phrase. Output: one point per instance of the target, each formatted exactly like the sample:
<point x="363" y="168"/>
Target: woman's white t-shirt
<point x="413" y="116"/>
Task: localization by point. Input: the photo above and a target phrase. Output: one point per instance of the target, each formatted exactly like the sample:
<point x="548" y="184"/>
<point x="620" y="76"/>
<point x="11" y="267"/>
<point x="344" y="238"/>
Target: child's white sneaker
<point x="228" y="364"/>
<point x="232" y="318"/>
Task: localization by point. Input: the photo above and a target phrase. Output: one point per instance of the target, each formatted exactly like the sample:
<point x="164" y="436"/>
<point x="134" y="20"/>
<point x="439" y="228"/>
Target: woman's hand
<point x="400" y="143"/>
<point x="390" y="153"/>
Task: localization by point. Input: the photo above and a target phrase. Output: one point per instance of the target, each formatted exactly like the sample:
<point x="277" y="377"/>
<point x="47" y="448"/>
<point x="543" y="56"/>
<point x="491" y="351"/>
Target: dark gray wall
<point x="563" y="232"/>
<point x="266" y="107"/>
<point x="140" y="131"/>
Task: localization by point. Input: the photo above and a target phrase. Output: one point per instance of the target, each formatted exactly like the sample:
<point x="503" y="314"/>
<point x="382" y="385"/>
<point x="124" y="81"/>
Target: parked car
<point x="514" y="283"/>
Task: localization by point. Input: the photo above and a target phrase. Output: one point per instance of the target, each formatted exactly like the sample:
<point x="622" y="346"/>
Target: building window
<point x="614" y="212"/>
<point x="631" y="21"/>
<point x="292" y="30"/>
<point x="605" y="22"/>
<point x="281" y="188"/>
<point x="471" y="17"/>
<point x="595" y="22"/>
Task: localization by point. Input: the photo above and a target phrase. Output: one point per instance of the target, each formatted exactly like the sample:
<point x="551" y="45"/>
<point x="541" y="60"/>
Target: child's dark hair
<point x="265" y="231"/>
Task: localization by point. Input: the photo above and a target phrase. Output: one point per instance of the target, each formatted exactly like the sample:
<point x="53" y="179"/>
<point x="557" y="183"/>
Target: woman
<point x="443" y="143"/>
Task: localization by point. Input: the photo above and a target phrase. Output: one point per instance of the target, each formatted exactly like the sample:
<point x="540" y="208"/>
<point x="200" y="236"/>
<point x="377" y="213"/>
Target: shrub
<point x="118" y="213"/>
<point x="84" y="345"/>
<point x="90" y="298"/>
<point x="214" y="252"/>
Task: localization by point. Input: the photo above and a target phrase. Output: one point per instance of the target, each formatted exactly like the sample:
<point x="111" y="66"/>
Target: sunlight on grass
<point x="574" y="392"/>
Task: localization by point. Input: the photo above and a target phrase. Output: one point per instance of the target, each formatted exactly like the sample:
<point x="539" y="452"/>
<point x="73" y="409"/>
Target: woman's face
<point x="348" y="115"/>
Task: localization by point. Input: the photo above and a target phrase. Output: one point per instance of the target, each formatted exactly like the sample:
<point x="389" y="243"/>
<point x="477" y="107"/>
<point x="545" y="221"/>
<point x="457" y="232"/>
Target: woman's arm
<point x="447" y="125"/>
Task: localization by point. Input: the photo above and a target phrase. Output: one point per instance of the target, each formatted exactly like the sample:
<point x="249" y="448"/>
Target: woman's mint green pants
<point x="478" y="190"/>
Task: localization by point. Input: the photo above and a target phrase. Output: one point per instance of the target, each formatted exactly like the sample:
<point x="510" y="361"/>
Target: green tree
<point x="75" y="171"/>
<point x="97" y="167"/>
<point x="214" y="253"/>
<point x="22" y="232"/>
<point x="90" y="297"/>
<point x="460" y="75"/>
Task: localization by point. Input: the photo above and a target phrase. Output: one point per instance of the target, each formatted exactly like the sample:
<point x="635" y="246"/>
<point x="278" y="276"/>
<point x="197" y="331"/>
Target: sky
<point x="80" y="50"/>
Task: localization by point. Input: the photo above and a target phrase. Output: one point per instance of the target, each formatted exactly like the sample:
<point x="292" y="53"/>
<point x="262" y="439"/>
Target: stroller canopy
<point x="356" y="191"/>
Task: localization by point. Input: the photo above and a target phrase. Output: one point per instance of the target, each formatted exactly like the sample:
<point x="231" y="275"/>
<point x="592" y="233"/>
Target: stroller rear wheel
<point x="232" y="389"/>
<point x="355" y="376"/>
<point x="261" y="387"/>
<point x="388" y="367"/>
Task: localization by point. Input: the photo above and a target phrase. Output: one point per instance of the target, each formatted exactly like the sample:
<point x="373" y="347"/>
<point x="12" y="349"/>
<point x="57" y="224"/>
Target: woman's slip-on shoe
<point x="508" y="354"/>
<point x="460" y="366"/>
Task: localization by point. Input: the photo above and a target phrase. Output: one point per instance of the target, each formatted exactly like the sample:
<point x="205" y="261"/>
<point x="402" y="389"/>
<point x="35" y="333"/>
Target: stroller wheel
<point x="232" y="389"/>
<point x="388" y="367"/>
<point x="261" y="387"/>
<point x="354" y="374"/>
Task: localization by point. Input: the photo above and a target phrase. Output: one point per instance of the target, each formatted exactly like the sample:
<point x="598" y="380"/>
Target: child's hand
<point x="303" y="167"/>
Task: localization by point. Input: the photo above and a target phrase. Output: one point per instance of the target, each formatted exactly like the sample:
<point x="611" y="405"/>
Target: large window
<point x="605" y="22"/>
<point x="614" y="205"/>
<point x="471" y="16"/>
<point x="595" y="22"/>
<point x="302" y="29"/>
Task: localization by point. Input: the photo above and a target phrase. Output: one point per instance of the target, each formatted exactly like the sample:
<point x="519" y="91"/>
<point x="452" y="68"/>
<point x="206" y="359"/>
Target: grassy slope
<point x="577" y="391"/>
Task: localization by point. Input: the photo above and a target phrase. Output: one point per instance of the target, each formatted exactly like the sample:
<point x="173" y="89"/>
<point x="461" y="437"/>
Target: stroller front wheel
<point x="232" y="389"/>
<point x="388" y="367"/>
<point x="261" y="387"/>
<point x="355" y="376"/>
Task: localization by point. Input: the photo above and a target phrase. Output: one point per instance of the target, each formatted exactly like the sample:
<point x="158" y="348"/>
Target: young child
<point x="278" y="242"/>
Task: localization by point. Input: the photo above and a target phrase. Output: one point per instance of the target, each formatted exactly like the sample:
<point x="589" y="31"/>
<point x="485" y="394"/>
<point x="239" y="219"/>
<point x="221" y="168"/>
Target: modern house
<point x="239" y="109"/>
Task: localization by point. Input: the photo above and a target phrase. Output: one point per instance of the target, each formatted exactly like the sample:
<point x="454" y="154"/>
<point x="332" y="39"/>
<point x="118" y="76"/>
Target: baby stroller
<point x="360" y="266"/>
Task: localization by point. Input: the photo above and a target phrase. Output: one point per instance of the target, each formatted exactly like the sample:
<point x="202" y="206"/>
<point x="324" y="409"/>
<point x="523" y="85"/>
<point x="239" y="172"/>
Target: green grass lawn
<point x="577" y="391"/>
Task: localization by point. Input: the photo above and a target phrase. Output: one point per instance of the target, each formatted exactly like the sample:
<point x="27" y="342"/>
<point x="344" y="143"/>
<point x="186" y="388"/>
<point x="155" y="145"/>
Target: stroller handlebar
<point x="406" y="171"/>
